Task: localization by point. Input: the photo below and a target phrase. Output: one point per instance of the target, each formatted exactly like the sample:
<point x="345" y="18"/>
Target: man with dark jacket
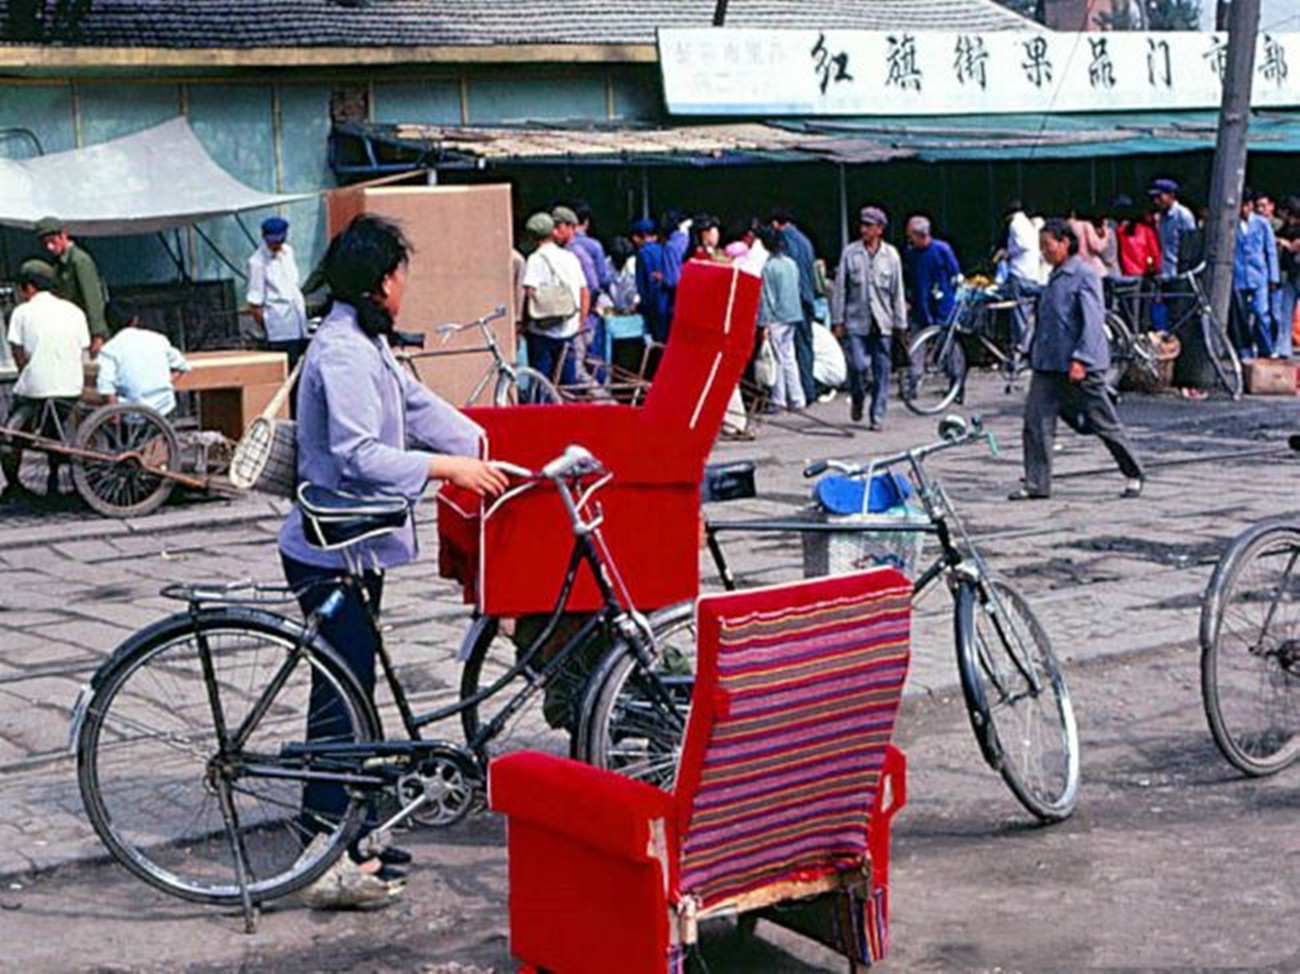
<point x="1069" y="356"/>
<point x="76" y="277"/>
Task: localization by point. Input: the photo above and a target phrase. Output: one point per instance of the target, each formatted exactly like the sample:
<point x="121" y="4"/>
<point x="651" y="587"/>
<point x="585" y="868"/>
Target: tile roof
<point x="407" y="23"/>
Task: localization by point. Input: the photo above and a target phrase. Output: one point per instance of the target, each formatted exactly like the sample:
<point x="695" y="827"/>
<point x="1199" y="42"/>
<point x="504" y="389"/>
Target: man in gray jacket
<point x="1069" y="356"/>
<point x="867" y="309"/>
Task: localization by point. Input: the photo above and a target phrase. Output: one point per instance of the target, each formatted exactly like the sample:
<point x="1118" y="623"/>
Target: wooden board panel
<point x="460" y="269"/>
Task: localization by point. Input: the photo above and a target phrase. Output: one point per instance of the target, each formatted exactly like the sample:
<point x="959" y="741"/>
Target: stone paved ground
<point x="1107" y="577"/>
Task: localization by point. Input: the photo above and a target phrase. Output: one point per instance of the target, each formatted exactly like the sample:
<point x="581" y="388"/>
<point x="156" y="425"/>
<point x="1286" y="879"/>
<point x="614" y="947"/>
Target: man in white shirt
<point x="274" y="295"/>
<point x="1025" y="267"/>
<point x="550" y="338"/>
<point x="137" y="365"/>
<point x="48" y="337"/>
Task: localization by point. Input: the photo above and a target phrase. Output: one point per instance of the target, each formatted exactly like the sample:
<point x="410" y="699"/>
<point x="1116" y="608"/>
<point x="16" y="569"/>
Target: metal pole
<point x="844" y="208"/>
<point x="1230" y="152"/>
<point x="645" y="193"/>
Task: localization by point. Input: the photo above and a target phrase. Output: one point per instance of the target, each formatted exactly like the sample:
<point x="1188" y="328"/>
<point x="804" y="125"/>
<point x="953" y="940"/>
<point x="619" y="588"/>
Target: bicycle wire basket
<point x="867" y="541"/>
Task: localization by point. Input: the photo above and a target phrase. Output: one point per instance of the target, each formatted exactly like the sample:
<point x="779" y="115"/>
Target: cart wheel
<point x="134" y="442"/>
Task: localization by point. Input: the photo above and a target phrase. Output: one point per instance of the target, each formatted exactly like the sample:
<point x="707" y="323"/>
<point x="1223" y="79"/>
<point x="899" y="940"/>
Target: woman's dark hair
<point x="1059" y="229"/>
<point x="620" y="249"/>
<point x="358" y="260"/>
<point x="772" y="239"/>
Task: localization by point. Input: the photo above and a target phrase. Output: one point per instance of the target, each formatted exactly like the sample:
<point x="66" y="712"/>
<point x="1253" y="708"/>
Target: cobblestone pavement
<point x="1106" y="576"/>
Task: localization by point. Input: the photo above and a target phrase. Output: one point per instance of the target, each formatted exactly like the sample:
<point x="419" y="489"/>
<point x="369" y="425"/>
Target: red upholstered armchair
<point x="786" y="788"/>
<point x="513" y="563"/>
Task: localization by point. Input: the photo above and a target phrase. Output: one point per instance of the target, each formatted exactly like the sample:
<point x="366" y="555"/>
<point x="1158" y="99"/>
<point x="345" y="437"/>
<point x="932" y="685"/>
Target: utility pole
<point x="1230" y="152"/>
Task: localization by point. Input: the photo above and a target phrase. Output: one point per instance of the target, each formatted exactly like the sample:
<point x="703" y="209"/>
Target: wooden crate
<point x="1270" y="377"/>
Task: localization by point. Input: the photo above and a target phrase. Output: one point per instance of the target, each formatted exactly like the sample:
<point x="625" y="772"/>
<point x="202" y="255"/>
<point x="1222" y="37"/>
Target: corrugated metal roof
<point x="745" y="142"/>
<point x="451" y="23"/>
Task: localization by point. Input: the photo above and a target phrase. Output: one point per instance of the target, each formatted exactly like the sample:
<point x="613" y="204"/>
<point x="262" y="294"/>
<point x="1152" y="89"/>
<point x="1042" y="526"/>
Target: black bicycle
<point x="190" y="742"/>
<point x="1015" y="689"/>
<point x="940" y="355"/>
<point x="1250" y="648"/>
<point x="1189" y="308"/>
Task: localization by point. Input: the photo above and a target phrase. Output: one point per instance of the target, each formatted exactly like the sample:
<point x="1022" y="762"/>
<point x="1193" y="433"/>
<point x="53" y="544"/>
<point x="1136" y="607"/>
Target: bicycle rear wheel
<point x="525" y="387"/>
<point x="1250" y="650"/>
<point x="627" y="726"/>
<point x="1016" y="695"/>
<point x="151" y="775"/>
<point x="546" y="718"/>
<point x="1224" y="358"/>
<point x="935" y="373"/>
<point x="1120" y="341"/>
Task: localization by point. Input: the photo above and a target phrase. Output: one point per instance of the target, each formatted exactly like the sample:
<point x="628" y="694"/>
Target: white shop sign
<point x="725" y="71"/>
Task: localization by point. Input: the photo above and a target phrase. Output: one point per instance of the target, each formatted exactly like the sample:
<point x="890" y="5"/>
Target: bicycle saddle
<point x="336" y="519"/>
<point x="406" y="339"/>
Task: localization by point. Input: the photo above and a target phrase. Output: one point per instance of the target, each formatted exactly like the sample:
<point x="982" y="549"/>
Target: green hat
<point x="36" y="266"/>
<point x="48" y="226"/>
<point x="540" y="225"/>
<point x="562" y="214"/>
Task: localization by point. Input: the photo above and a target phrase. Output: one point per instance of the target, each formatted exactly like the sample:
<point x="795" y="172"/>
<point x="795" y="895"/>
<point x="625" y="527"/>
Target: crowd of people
<point x="65" y="319"/>
<point x="826" y="326"/>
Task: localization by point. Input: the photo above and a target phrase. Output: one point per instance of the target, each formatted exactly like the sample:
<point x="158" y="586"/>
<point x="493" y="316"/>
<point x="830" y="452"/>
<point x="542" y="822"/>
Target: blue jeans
<point x="544" y="353"/>
<point x="350" y="634"/>
<point x="869" y="363"/>
<point x="1254" y="321"/>
<point x="1022" y="290"/>
<point x="1284" y="302"/>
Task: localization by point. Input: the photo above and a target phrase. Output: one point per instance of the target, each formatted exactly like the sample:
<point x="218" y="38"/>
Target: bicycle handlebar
<point x="574" y="463"/>
<point x="452" y="328"/>
<point x="953" y="431"/>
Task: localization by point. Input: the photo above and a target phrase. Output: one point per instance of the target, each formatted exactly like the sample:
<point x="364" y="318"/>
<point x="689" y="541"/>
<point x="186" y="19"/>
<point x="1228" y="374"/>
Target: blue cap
<point x="642" y="226"/>
<point x="275" y="229"/>
<point x="1162" y="186"/>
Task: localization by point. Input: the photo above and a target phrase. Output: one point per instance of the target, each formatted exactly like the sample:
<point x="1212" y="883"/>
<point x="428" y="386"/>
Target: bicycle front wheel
<point x="1224" y="358"/>
<point x="537" y="709"/>
<point x="1250" y="650"/>
<point x="1120" y="342"/>
<point x="153" y="778"/>
<point x="634" y="719"/>
<point x="525" y="387"/>
<point x="1016" y="695"/>
<point x="935" y="372"/>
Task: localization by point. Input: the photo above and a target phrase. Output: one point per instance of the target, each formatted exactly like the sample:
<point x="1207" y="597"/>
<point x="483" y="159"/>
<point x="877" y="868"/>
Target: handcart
<point x="126" y="458"/>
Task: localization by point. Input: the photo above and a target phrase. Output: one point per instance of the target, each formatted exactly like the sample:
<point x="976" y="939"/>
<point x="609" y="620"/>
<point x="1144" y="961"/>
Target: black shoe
<point x="1024" y="494"/>
<point x="855" y="412"/>
<point x="1133" y="488"/>
<point x="392" y="855"/>
<point x="875" y="427"/>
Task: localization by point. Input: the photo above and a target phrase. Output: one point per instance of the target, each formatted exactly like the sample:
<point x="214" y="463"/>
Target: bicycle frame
<point x="498" y="367"/>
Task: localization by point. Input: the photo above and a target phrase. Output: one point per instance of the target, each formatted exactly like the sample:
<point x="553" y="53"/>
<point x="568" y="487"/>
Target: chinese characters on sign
<point x="1037" y="65"/>
<point x="971" y="61"/>
<point x="1101" y="72"/>
<point x="825" y="60"/>
<point x="726" y="71"/>
<point x="903" y="72"/>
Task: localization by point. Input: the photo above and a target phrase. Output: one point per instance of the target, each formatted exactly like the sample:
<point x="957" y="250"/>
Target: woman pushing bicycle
<point x="357" y="412"/>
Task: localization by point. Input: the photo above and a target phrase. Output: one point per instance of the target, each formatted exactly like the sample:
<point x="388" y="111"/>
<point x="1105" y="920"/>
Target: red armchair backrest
<point x="711" y="340"/>
<point x="796" y="694"/>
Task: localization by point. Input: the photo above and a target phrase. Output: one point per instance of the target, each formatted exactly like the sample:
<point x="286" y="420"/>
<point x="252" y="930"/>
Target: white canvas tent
<point x="142" y="183"/>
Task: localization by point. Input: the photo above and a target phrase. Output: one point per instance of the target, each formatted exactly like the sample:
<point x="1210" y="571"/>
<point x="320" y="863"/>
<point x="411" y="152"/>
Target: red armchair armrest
<point x="596" y="808"/>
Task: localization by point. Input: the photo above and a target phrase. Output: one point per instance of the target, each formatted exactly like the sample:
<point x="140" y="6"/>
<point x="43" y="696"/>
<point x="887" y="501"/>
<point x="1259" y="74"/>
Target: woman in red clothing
<point x="1139" y="256"/>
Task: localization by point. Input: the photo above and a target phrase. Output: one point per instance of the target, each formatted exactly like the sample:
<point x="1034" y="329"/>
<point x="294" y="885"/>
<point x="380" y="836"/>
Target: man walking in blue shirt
<point x="932" y="273"/>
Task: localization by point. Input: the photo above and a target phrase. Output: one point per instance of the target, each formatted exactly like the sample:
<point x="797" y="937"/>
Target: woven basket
<point x="839" y="553"/>
<point x="266" y="459"/>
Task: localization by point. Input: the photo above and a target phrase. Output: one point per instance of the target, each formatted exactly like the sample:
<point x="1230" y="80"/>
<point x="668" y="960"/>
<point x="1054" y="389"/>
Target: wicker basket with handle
<point x="266" y="459"/>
